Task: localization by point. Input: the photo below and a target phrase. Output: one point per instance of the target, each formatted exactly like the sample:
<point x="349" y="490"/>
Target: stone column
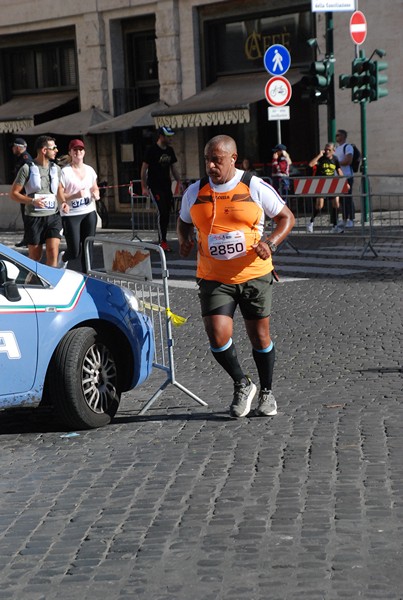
<point x="167" y="29"/>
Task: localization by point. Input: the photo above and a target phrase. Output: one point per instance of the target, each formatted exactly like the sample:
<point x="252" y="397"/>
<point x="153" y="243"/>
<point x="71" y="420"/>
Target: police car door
<point x="18" y="329"/>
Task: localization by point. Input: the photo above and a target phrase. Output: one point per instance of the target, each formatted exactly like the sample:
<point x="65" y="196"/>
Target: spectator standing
<point x="280" y="170"/>
<point x="234" y="266"/>
<point x="81" y="191"/>
<point x="37" y="185"/>
<point x="247" y="165"/>
<point x="327" y="165"/>
<point x="21" y="156"/>
<point x="157" y="171"/>
<point x="345" y="153"/>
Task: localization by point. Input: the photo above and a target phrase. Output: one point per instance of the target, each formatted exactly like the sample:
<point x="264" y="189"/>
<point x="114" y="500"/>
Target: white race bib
<point x="49" y="201"/>
<point x="78" y="202"/>
<point x="225" y="246"/>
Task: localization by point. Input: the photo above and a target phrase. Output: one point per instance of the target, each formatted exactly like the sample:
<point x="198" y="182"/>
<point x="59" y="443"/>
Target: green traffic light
<point x="376" y="89"/>
<point x="318" y="79"/>
<point x="366" y="79"/>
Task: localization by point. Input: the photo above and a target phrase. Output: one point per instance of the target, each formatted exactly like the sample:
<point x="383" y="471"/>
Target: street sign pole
<point x="278" y="131"/>
<point x="277" y="61"/>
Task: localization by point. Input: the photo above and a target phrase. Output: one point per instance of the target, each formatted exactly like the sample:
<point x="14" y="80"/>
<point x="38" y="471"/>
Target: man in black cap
<point x="280" y="170"/>
<point x="157" y="171"/>
<point x="19" y="149"/>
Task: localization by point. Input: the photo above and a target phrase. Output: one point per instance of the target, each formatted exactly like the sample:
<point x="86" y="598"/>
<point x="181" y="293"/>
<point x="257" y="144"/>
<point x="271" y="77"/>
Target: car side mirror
<point x="3" y="273"/>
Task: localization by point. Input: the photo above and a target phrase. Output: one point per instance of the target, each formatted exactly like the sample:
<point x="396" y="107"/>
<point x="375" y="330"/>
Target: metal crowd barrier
<point x="129" y="264"/>
<point x="144" y="212"/>
<point x="377" y="200"/>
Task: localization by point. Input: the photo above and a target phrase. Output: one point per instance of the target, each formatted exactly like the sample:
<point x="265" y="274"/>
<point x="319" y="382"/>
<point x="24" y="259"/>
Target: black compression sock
<point x="227" y="358"/>
<point x="265" y="366"/>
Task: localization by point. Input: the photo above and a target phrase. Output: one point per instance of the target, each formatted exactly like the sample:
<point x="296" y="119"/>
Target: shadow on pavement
<point x="29" y="420"/>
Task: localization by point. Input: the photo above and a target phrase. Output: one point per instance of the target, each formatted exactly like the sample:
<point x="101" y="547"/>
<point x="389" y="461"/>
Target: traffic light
<point x="318" y="79"/>
<point x="377" y="91"/>
<point x="360" y="88"/>
<point x="365" y="80"/>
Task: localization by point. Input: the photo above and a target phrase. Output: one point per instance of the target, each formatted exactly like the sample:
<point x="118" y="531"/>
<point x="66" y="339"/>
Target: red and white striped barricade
<point x="320" y="186"/>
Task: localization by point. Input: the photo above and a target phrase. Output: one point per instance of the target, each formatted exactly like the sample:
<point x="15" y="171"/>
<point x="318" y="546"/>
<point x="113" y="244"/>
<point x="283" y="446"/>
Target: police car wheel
<point x="83" y="379"/>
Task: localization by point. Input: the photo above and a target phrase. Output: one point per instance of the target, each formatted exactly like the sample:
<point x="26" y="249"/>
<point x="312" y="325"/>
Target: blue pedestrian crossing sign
<point x="277" y="60"/>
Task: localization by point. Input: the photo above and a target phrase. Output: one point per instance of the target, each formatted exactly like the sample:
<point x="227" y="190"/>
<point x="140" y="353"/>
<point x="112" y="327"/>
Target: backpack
<point x="356" y="157"/>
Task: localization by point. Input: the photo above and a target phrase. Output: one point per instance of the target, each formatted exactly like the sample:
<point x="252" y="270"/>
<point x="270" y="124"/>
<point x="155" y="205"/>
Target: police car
<point x="68" y="340"/>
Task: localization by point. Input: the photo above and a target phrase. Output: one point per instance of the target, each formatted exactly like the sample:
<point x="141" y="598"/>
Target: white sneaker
<point x="267" y="404"/>
<point x="60" y="262"/>
<point x="309" y="227"/>
<point x="337" y="229"/>
<point x="349" y="223"/>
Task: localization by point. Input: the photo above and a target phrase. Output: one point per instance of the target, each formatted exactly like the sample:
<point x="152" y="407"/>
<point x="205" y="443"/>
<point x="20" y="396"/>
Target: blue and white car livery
<point x="68" y="340"/>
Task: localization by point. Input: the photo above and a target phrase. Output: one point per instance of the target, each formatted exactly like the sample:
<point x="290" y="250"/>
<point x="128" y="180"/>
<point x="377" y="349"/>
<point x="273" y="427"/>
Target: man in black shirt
<point x="157" y="171"/>
<point x="19" y="149"/>
<point x="326" y="164"/>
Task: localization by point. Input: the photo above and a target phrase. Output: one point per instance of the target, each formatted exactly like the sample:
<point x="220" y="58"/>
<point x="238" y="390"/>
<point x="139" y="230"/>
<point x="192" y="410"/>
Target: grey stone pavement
<point x="185" y="503"/>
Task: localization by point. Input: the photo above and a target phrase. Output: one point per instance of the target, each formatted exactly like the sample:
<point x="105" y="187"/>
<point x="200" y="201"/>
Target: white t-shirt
<point x="261" y="192"/>
<point x="73" y="184"/>
<point x="340" y="152"/>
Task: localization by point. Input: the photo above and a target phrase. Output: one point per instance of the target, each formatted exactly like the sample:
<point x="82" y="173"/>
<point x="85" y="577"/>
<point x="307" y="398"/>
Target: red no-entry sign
<point x="358" y="27"/>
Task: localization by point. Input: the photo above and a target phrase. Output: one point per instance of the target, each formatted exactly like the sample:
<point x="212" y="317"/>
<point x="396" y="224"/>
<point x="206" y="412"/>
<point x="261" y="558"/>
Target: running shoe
<point x="267" y="406"/>
<point x="244" y="393"/>
<point x="165" y="247"/>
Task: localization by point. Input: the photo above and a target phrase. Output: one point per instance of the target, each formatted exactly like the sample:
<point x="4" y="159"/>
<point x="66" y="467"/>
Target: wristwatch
<point x="272" y="246"/>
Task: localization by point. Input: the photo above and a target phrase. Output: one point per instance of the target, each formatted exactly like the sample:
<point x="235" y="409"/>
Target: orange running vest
<point x="216" y="213"/>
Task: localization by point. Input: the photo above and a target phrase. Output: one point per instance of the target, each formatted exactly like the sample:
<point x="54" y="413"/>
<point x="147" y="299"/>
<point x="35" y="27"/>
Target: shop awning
<point x="225" y="101"/>
<point x="78" y="123"/>
<point x="18" y="114"/>
<point x="141" y="117"/>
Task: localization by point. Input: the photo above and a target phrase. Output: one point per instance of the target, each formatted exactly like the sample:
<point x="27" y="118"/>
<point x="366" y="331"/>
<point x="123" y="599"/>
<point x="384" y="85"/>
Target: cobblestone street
<point x="185" y="503"/>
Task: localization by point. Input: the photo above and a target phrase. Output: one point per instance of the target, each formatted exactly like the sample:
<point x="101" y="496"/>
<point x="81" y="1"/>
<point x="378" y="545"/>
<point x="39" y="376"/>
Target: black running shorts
<point x="39" y="229"/>
<point x="253" y="297"/>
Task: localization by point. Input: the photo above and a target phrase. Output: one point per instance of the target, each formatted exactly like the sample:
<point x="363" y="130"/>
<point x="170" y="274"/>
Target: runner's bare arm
<point x="185" y="237"/>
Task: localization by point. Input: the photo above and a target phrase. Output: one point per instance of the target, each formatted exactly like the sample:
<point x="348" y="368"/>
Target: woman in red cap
<point x="280" y="165"/>
<point x="81" y="191"/>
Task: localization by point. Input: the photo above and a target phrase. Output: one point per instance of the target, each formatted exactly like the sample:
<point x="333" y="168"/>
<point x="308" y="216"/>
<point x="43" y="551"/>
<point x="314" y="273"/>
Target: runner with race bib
<point x="228" y="208"/>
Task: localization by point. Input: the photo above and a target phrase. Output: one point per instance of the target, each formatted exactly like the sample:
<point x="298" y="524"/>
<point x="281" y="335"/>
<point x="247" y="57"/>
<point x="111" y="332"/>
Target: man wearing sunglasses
<point x="37" y="185"/>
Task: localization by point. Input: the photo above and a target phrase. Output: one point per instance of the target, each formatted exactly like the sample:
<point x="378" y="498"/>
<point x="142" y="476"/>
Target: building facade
<point x="204" y="60"/>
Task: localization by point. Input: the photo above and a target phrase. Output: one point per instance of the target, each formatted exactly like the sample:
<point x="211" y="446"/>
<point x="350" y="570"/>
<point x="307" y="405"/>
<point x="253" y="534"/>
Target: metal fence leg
<point x="155" y="203"/>
<point x="162" y="388"/>
<point x="155" y="396"/>
<point x="131" y="190"/>
<point x="369" y="246"/>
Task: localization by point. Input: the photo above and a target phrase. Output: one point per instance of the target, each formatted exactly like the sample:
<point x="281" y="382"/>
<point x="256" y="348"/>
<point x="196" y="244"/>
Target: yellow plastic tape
<point x="175" y="319"/>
